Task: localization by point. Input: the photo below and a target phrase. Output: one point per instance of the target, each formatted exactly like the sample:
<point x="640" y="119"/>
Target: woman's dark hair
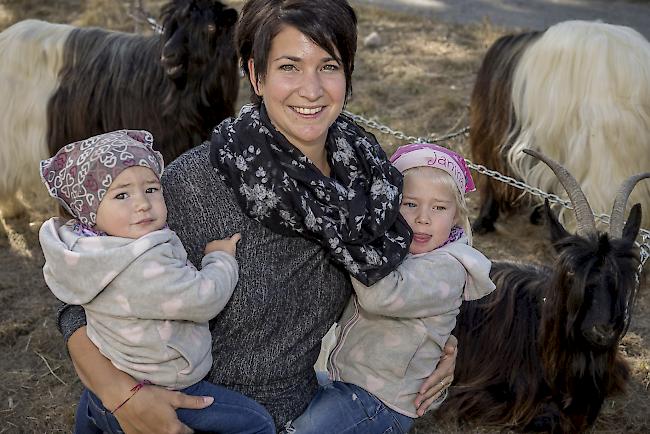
<point x="330" y="24"/>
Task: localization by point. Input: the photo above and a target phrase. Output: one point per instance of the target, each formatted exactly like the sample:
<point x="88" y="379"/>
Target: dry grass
<point x="417" y="81"/>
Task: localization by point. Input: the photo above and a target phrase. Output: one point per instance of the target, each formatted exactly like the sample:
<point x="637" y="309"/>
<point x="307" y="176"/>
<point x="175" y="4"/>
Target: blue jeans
<point x="343" y="408"/>
<point x="231" y="412"/>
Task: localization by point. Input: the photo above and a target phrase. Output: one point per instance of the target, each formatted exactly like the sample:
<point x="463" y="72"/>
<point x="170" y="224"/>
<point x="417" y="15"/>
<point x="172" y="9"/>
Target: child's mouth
<point x="421" y="238"/>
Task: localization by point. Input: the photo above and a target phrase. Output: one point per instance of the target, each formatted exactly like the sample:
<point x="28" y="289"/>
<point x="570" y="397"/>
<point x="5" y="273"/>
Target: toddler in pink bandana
<point x="430" y="155"/>
<point x="399" y="325"/>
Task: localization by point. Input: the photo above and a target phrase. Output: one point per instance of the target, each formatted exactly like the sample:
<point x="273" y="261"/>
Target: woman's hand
<point x="440" y="379"/>
<point x="153" y="410"/>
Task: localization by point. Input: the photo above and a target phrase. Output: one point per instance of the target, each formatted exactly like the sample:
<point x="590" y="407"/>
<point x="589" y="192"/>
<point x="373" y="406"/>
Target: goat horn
<point x="584" y="215"/>
<point x="617" y="218"/>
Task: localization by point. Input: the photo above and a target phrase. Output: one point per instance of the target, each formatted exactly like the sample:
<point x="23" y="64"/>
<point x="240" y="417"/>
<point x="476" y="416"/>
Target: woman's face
<point x="303" y="91"/>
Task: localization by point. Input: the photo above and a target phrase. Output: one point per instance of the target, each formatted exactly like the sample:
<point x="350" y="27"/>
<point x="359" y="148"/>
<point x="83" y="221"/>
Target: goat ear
<point x="228" y="17"/>
<point x="557" y="230"/>
<point x="633" y="223"/>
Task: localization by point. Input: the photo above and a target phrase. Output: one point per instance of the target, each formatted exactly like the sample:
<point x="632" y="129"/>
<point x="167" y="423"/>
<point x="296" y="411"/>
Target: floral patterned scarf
<point x="354" y="213"/>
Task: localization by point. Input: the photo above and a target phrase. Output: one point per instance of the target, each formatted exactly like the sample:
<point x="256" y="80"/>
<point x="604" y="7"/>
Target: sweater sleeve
<point x="418" y="288"/>
<point x="69" y="318"/>
<point x="197" y="202"/>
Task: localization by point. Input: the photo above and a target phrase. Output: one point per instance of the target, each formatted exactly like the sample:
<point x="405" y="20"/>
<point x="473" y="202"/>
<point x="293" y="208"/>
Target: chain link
<point x="402" y="136"/>
<point x="157" y="28"/>
<point x="142" y="15"/>
<point x="644" y="246"/>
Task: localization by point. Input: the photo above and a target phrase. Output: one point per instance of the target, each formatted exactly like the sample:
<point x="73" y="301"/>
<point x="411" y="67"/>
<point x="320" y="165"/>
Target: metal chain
<point x="400" y="135"/>
<point x="157" y="28"/>
<point x="644" y="246"/>
<point x="141" y="15"/>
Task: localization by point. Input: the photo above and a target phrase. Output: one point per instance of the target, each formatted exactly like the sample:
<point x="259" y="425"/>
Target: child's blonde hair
<point x="440" y="177"/>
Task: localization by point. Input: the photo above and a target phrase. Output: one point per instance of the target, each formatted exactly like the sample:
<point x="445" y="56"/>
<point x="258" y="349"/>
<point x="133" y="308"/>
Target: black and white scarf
<point x="354" y="213"/>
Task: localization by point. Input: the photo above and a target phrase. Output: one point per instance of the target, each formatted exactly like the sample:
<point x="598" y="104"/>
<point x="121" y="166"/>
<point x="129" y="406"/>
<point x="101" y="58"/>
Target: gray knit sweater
<point x="267" y="338"/>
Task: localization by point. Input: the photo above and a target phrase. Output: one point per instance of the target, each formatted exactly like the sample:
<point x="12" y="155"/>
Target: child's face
<point x="133" y="205"/>
<point x="430" y="209"/>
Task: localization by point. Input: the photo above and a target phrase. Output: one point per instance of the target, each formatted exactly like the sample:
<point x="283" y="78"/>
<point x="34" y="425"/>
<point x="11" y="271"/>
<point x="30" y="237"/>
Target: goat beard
<point x="580" y="379"/>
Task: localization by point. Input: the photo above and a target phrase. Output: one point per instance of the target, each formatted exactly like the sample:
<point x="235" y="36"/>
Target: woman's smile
<point x="306" y="111"/>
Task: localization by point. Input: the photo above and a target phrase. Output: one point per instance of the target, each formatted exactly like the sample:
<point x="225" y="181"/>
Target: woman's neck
<point x="317" y="154"/>
<point x="319" y="158"/>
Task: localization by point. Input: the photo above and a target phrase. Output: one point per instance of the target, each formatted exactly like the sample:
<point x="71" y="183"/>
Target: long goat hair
<point x="60" y="84"/>
<point x="579" y="93"/>
<point x="541" y="352"/>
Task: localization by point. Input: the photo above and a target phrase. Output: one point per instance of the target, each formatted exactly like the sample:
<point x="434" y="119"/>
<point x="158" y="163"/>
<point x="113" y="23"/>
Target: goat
<point x="60" y="84"/>
<point x="579" y="93"/>
<point x="541" y="351"/>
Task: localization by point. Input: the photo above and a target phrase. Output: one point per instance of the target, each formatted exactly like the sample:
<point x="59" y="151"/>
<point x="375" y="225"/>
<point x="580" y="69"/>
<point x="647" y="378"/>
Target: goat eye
<point x="212" y="28"/>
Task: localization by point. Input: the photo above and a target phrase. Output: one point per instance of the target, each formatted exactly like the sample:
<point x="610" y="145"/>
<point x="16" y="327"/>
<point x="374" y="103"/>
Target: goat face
<point x="197" y="34"/>
<point x="596" y="274"/>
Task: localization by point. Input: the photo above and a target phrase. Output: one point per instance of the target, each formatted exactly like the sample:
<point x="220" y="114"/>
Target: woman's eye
<point x="287" y="67"/>
<point x="120" y="196"/>
<point x="331" y="67"/>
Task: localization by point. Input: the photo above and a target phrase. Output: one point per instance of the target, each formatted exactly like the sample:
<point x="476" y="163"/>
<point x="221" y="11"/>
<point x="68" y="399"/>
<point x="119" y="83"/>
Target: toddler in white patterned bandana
<point x="147" y="307"/>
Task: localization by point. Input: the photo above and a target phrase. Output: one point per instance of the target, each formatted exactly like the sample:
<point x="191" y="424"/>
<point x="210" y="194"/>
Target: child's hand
<point x="228" y="245"/>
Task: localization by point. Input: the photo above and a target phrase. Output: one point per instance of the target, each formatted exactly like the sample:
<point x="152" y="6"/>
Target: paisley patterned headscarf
<point x="80" y="173"/>
<point x="354" y="213"/>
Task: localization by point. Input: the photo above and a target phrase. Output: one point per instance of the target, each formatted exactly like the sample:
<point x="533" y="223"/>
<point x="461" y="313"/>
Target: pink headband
<point x="429" y="155"/>
<point x="80" y="173"/>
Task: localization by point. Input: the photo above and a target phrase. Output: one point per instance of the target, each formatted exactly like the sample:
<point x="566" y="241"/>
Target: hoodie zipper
<point x="344" y="332"/>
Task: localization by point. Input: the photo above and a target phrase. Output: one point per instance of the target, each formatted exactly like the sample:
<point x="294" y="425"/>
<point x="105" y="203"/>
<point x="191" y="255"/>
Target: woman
<point x="315" y="200"/>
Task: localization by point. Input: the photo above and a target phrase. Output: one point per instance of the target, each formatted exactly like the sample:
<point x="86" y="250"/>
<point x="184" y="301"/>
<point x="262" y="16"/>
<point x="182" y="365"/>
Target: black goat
<point x="64" y="84"/>
<point x="541" y="352"/>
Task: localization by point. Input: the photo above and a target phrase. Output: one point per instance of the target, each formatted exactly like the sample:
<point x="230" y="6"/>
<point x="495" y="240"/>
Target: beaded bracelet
<point x="134" y="390"/>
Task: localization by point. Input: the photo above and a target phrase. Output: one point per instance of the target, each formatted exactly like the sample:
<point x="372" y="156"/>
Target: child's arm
<point x="415" y="289"/>
<point x="181" y="292"/>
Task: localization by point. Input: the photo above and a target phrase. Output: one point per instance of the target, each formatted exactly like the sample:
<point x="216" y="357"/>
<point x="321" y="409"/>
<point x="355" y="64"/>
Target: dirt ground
<point x="417" y="81"/>
<point x="527" y="14"/>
